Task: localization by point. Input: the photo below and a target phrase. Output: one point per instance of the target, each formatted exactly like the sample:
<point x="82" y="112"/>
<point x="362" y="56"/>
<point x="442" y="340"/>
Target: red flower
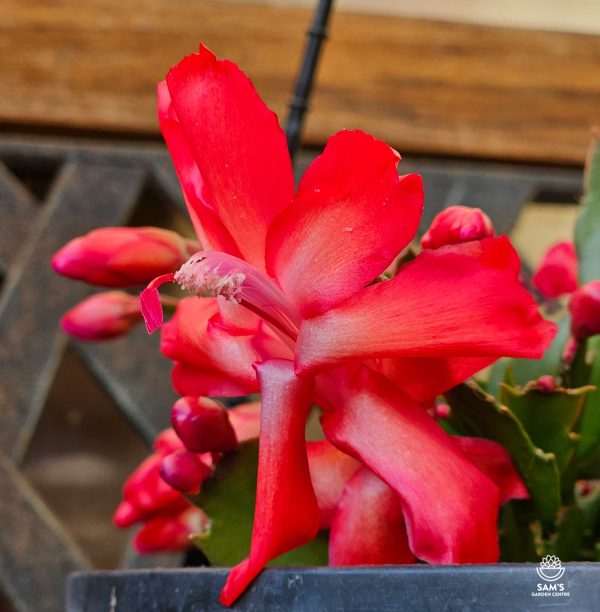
<point x="303" y="266"/>
<point x="557" y="273"/>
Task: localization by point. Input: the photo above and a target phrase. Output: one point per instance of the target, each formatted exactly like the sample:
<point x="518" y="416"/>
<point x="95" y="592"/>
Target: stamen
<point x="218" y="274"/>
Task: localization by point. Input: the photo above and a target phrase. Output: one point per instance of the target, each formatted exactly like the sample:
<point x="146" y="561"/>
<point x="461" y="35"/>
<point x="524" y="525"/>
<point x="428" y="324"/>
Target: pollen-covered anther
<point x="199" y="277"/>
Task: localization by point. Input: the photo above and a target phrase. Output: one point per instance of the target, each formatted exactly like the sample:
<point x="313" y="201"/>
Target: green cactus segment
<point x="567" y="542"/>
<point x="548" y="418"/>
<point x="524" y="370"/>
<point x="589" y="425"/>
<point x="517" y="537"/>
<point x="587" y="228"/>
<point x="228" y="499"/>
<point x="475" y="413"/>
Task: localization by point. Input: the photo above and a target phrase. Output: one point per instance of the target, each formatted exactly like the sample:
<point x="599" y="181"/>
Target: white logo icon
<point x="550" y="569"/>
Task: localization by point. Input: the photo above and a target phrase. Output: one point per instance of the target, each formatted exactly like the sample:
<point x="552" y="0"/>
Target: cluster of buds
<point x="183" y="458"/>
<point x="116" y="257"/>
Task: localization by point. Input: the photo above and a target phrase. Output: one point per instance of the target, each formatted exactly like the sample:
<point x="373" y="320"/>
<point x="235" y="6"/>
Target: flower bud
<point x="546" y="384"/>
<point x="147" y="491"/>
<point x="184" y="471"/>
<point x="585" y="310"/>
<point x="203" y="425"/>
<point x="103" y="316"/>
<point x="126" y="515"/>
<point x="122" y="256"/>
<point x="457" y="224"/>
<point x="170" y="532"/>
<point x="557" y="273"/>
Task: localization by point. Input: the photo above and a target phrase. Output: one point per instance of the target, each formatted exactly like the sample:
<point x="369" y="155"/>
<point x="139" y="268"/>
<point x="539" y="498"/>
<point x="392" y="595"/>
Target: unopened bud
<point x="455" y="225"/>
<point x="585" y="310"/>
<point x="103" y="316"/>
<point x="170" y="532"/>
<point x="557" y="273"/>
<point x="203" y="425"/>
<point x="184" y="471"/>
<point x="122" y="256"/>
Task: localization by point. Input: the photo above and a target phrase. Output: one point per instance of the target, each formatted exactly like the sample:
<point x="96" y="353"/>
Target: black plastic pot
<point x="506" y="587"/>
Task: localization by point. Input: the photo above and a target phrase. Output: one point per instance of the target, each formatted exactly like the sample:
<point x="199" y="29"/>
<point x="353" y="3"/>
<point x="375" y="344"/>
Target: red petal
<point x="442" y="304"/>
<point x="239" y="148"/>
<point x="450" y="506"/>
<point x="368" y="528"/>
<point x="330" y="469"/>
<point x="351" y="217"/>
<point x="193" y="380"/>
<point x="211" y="360"/>
<point x="245" y="420"/>
<point x="493" y="459"/>
<point x="424" y="378"/>
<point x="209" y="227"/>
<point x="286" y="514"/>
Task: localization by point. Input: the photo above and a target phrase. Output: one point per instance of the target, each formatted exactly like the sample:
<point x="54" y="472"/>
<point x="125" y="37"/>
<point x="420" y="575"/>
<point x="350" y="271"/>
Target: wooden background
<point x="425" y="86"/>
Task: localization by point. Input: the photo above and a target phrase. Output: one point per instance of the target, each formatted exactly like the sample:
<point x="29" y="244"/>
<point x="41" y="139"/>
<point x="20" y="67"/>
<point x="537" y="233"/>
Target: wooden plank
<point x="36" y="554"/>
<point x="33" y="298"/>
<point x="141" y="386"/>
<point x="424" y="86"/>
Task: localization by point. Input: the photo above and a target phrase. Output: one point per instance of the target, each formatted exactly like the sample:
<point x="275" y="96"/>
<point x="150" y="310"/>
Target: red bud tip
<point x="585" y="310"/>
<point x="203" y="425"/>
<point x="455" y="225"/>
<point x="126" y="515"/>
<point x="557" y="273"/>
<point x="170" y="532"/>
<point x="184" y="471"/>
<point x="546" y="384"/>
<point x="103" y="316"/>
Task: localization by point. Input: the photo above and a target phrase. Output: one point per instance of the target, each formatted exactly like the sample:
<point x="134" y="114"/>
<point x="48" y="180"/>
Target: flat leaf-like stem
<point x="475" y="413"/>
<point x="548" y="418"/>
<point x="228" y="498"/>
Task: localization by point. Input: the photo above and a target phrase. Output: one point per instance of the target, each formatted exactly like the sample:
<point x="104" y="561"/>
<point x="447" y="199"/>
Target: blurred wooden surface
<point x="425" y="86"/>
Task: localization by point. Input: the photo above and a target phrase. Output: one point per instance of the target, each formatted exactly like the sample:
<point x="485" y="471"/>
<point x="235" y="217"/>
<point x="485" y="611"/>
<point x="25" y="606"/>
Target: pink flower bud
<point x="585" y="310"/>
<point x="184" y="471"/>
<point x="103" y="316"/>
<point x="457" y="224"/>
<point x="203" y="425"/>
<point x="170" y="532"/>
<point x="122" y="256"/>
<point x="557" y="273"/>
<point x="546" y="384"/>
<point x="442" y="411"/>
